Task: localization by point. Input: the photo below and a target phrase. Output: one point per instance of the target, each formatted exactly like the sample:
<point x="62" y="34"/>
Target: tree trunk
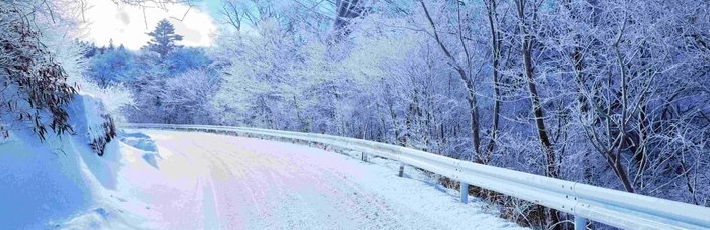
<point x="535" y="99"/>
<point x="496" y="43"/>
<point x="551" y="168"/>
<point x="472" y="100"/>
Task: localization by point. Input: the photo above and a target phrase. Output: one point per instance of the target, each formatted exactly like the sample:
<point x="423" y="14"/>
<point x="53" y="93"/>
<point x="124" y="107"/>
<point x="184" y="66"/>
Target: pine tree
<point x="164" y="38"/>
<point x="90" y="49"/>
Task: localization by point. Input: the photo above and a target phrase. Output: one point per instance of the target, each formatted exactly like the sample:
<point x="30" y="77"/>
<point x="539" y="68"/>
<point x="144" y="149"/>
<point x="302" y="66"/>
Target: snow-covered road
<point x="214" y="181"/>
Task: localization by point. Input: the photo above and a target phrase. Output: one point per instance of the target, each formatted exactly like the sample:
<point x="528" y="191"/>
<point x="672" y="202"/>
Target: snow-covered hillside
<point x="44" y="183"/>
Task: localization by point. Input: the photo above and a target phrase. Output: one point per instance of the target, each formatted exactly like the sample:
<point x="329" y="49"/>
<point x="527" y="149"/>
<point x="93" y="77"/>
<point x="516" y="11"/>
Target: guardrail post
<point x="401" y="169"/>
<point x="364" y="156"/>
<point x="580" y="223"/>
<point x="463" y="189"/>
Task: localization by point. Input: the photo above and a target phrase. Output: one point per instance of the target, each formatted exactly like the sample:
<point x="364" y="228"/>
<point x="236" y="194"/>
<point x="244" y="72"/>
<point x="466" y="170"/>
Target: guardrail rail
<point x="612" y="207"/>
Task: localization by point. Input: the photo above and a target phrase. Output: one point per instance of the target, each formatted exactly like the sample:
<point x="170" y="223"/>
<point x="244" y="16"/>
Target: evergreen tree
<point x="164" y="38"/>
<point x="90" y="49"/>
<point x="114" y="66"/>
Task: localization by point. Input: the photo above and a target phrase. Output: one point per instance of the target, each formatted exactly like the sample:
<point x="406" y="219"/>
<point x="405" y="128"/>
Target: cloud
<point x="127" y="24"/>
<point x="189" y="35"/>
<point x="122" y="15"/>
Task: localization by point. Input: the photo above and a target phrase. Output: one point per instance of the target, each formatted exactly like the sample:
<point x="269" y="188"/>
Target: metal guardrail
<point x="585" y="202"/>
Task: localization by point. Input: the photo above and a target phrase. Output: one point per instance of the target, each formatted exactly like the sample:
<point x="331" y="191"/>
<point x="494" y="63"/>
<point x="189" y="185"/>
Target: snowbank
<point x="144" y="143"/>
<point x="44" y="183"/>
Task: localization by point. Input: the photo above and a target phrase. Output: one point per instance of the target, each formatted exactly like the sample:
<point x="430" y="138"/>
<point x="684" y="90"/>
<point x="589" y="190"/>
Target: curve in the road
<point x="246" y="183"/>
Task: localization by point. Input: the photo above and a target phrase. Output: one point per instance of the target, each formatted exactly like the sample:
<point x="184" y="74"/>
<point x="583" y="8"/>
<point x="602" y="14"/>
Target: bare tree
<point x="465" y="75"/>
<point x="496" y="50"/>
<point x="527" y="15"/>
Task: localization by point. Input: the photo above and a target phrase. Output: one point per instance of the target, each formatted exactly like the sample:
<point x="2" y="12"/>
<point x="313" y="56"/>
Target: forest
<point x="607" y="93"/>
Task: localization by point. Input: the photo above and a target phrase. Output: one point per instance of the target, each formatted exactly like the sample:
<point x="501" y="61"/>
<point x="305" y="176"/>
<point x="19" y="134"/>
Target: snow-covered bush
<point x="33" y="87"/>
<point x="42" y="71"/>
<point x="92" y="121"/>
<point x="114" y="97"/>
<point x="187" y="96"/>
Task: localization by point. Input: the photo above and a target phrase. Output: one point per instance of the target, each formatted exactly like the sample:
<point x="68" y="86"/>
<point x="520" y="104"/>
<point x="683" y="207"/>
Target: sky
<point x="127" y="25"/>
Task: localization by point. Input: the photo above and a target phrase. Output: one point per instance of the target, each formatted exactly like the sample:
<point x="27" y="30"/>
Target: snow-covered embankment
<point x="62" y="182"/>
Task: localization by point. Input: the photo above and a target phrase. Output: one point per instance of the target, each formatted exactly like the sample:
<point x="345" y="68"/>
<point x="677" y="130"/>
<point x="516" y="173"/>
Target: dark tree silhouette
<point x="164" y="38"/>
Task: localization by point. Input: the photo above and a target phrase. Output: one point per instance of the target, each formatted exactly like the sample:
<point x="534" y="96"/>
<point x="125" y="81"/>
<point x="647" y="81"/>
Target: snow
<point x="40" y="182"/>
<point x="43" y="183"/>
<point x="62" y="183"/>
